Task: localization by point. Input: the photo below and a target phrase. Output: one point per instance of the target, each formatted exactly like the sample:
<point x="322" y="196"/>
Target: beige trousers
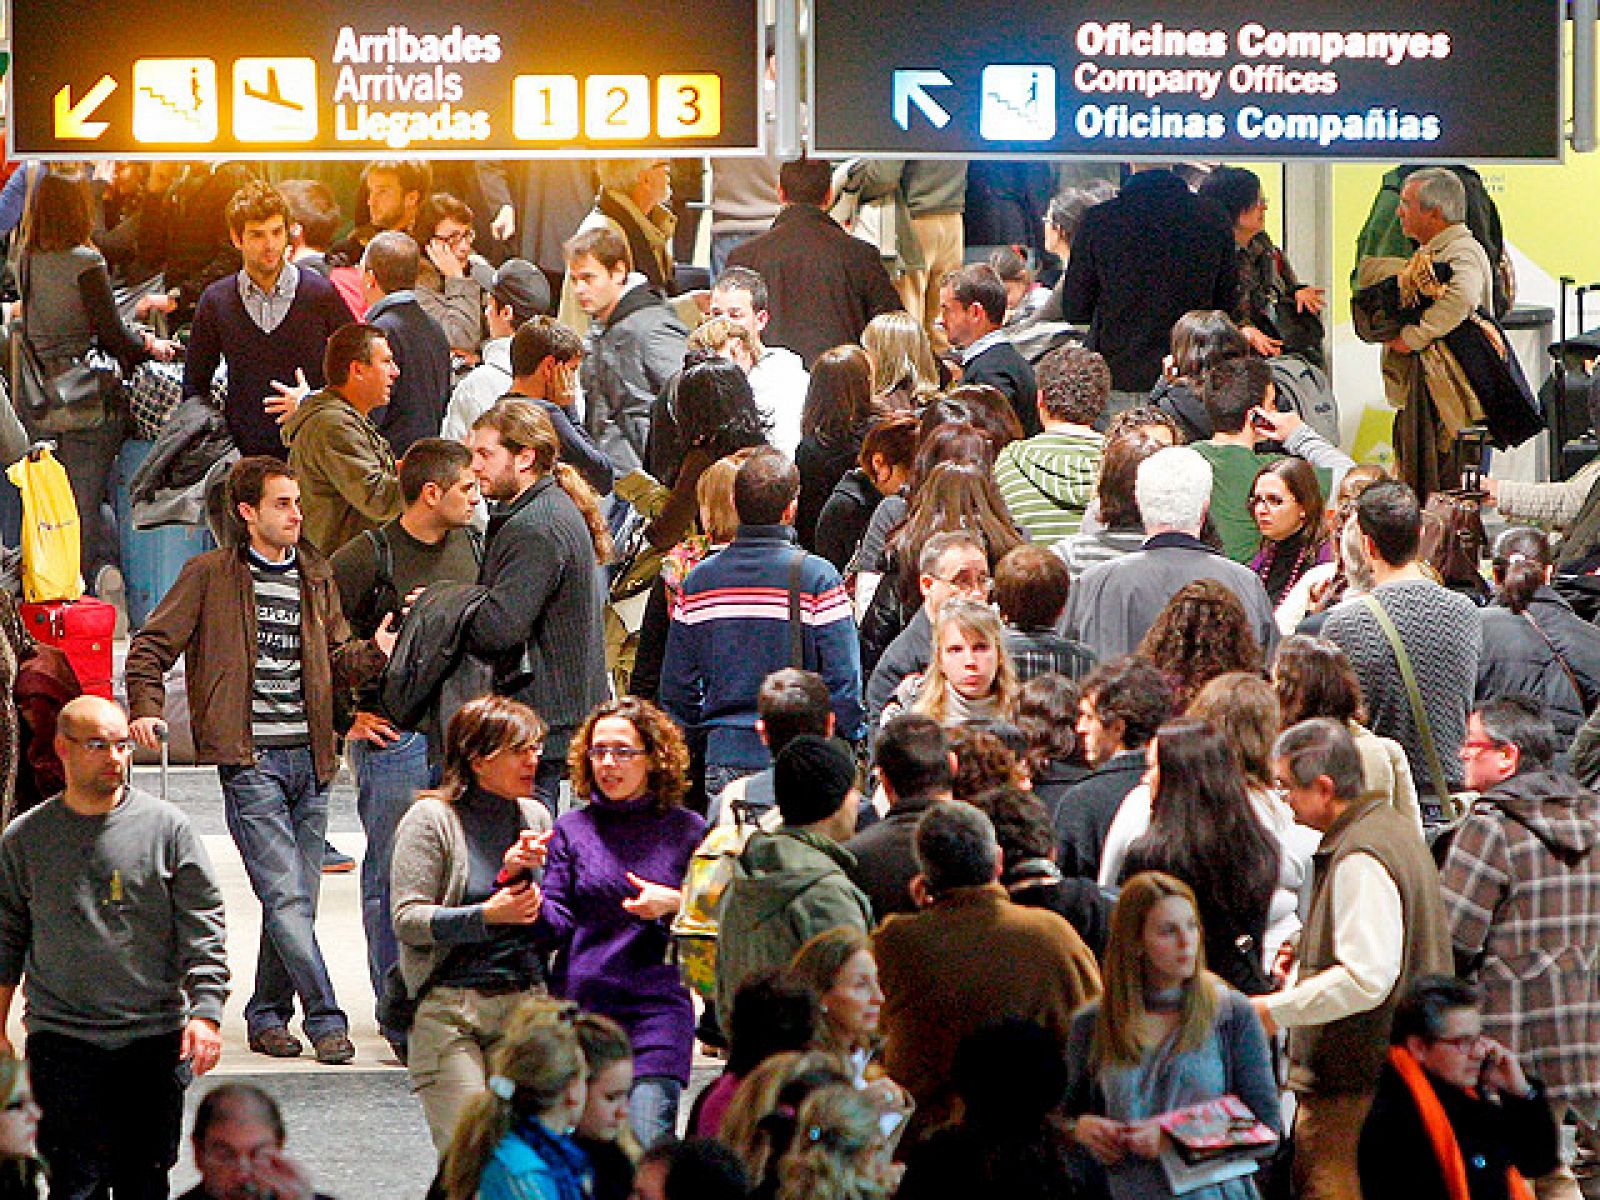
<point x="455" y="1031"/>
<point x="942" y="240"/>
<point x="1326" y="1130"/>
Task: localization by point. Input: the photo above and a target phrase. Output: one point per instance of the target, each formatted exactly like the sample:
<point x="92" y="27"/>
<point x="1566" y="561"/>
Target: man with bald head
<point x="109" y="908"/>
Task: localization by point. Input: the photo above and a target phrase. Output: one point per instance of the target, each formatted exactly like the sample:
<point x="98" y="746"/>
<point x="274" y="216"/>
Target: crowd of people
<point x="993" y="717"/>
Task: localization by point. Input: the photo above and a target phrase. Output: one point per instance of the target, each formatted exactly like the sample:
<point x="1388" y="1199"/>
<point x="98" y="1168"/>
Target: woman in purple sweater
<point x="611" y="888"/>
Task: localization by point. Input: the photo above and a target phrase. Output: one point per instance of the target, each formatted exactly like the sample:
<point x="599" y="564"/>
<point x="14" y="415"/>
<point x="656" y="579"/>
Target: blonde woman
<point x="839" y="1150"/>
<point x="603" y="1133"/>
<point x="1165" y="1034"/>
<point x="514" y="1141"/>
<point x="905" y="373"/>
<point x="970" y="676"/>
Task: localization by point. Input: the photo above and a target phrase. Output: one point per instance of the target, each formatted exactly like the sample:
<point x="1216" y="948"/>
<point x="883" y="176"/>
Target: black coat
<point x="886" y="860"/>
<point x="1087" y="810"/>
<point x="821" y="466"/>
<point x="1002" y="366"/>
<point x="1516" y="658"/>
<point x="844" y="518"/>
<point x="1397" y="1162"/>
<point x="417" y="400"/>
<point x="1139" y="262"/>
<point x="823" y="285"/>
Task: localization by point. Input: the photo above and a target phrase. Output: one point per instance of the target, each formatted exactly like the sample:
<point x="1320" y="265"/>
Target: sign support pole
<point x="786" y="46"/>
<point x="1584" y="16"/>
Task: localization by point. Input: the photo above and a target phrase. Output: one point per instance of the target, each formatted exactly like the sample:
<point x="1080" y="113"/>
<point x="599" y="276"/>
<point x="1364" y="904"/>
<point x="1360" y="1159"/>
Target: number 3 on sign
<point x="689" y="106"/>
<point x="616" y="108"/>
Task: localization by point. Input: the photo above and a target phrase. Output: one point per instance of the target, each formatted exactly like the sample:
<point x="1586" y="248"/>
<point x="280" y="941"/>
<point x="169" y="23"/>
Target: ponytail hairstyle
<point x="1521" y="558"/>
<point x="537" y="1060"/>
<point x="523" y="425"/>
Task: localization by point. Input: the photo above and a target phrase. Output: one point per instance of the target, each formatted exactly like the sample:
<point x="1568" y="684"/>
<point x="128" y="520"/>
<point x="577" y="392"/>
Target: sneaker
<point x="334" y="1049"/>
<point x="276" y="1042"/>
<point x="335" y="862"/>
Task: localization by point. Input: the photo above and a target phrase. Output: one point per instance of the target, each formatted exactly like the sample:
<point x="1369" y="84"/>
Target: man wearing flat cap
<point x="791" y="884"/>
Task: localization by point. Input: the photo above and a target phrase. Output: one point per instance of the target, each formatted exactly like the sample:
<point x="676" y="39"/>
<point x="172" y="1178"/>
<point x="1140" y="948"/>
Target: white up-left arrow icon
<point x="910" y="88"/>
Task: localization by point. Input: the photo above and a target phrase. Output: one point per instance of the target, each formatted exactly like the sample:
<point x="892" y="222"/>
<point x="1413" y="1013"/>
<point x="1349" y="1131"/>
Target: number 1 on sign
<point x="616" y="108"/>
<point x="544" y="108"/>
<point x="689" y="106"/>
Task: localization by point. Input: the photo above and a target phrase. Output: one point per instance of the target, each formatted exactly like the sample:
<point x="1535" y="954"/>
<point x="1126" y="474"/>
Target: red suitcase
<point x="83" y="629"/>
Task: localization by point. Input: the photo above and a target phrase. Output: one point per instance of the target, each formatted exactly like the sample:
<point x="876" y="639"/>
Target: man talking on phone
<point x="109" y="908"/>
<point x="1242" y="402"/>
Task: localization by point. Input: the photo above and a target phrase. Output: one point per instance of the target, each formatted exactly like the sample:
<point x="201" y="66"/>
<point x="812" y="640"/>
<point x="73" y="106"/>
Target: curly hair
<point x="983" y="762"/>
<point x="1203" y="632"/>
<point x="663" y="742"/>
<point x="837" y="1127"/>
<point x="1314" y="678"/>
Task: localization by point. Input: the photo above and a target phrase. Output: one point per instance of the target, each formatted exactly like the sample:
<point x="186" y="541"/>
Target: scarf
<point x="563" y="1158"/>
<point x="1440" y="1134"/>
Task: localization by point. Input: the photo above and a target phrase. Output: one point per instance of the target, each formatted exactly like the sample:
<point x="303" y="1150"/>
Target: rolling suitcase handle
<point x="164" y="736"/>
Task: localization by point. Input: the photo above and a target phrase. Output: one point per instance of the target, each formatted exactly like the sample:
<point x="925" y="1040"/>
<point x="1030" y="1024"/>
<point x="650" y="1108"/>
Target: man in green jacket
<point x="791" y="885"/>
<point x="348" y="480"/>
<point x="1048" y="480"/>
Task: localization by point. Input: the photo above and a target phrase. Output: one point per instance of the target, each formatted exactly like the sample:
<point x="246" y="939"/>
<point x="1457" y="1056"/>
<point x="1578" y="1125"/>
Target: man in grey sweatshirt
<point x="109" y="907"/>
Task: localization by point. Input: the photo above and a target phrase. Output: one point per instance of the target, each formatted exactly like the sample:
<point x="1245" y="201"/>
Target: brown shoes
<point x="276" y="1042"/>
<point x="334" y="1049"/>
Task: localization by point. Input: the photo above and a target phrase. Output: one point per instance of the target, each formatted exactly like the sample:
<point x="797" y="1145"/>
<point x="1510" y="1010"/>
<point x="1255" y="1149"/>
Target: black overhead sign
<point x="356" y="79"/>
<point x="1463" y="80"/>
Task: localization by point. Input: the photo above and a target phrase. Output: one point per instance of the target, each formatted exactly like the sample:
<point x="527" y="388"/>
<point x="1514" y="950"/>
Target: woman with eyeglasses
<point x="612" y="888"/>
<point x="20" y="1168"/>
<point x="465" y="894"/>
<point x="451" y="279"/>
<point x="1286" y="502"/>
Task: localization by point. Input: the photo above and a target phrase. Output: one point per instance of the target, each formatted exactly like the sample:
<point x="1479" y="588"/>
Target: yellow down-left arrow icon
<point x="72" y="120"/>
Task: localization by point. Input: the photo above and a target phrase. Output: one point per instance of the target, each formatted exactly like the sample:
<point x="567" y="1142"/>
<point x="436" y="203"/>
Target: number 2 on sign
<point x="689" y="106"/>
<point x="617" y="107"/>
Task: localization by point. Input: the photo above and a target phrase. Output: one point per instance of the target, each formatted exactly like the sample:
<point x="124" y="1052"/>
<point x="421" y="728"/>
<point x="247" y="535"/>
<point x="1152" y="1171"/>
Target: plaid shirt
<point x="1042" y="652"/>
<point x="1521" y="885"/>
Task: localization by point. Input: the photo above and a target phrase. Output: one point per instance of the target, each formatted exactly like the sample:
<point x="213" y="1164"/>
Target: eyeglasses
<point x="1466" y="1043"/>
<point x="968" y="581"/>
<point x="1269" y="501"/>
<point x="622" y="754"/>
<point x="101" y="745"/>
<point x="462" y="237"/>
<point x="1477" y="745"/>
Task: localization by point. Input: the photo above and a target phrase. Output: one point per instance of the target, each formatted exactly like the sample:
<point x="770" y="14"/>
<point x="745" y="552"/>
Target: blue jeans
<point x="722" y="245"/>
<point x="552" y="770"/>
<point x="653" y="1108"/>
<point x="388" y="779"/>
<point x="278" y="816"/>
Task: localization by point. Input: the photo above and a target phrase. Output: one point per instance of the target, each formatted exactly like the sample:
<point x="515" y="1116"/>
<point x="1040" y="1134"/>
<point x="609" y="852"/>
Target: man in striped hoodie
<point x="756" y="607"/>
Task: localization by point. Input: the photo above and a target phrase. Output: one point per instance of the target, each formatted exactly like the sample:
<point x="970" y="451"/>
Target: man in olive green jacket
<point x="791" y="885"/>
<point x="348" y="480"/>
